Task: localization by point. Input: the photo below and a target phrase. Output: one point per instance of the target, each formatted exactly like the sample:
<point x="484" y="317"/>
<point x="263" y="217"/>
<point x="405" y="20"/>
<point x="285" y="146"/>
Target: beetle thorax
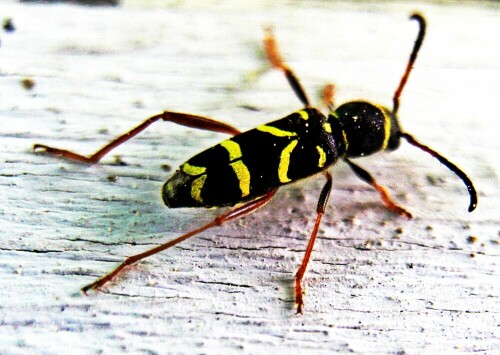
<point x="367" y="128"/>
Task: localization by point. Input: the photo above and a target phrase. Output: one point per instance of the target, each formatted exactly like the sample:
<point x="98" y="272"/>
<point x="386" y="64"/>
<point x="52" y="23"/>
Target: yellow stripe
<point x="322" y="156"/>
<point x="193" y="170"/>
<point x="346" y="142"/>
<point x="170" y="188"/>
<point x="243" y="176"/>
<point x="327" y="127"/>
<point x="196" y="187"/>
<point x="285" y="162"/>
<point x="303" y="114"/>
<point x="233" y="148"/>
<point x="240" y="169"/>
<point x="387" y="130"/>
<point x="276" y="131"/>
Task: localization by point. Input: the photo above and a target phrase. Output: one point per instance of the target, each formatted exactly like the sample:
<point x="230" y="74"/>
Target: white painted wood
<point x="376" y="282"/>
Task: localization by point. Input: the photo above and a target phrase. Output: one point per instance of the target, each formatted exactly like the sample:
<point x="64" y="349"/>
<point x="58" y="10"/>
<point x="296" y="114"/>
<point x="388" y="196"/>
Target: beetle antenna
<point x="468" y="183"/>
<point x="413" y="56"/>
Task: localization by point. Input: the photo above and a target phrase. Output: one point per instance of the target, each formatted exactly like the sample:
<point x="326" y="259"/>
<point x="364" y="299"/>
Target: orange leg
<point x="365" y="176"/>
<point x="218" y="221"/>
<point x="184" y="119"/>
<point x="328" y="94"/>
<point x="276" y="60"/>
<point x="322" y="202"/>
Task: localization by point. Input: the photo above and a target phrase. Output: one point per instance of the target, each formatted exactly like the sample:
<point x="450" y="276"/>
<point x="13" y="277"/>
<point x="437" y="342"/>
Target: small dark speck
<point x="471" y="239"/>
<point x="119" y="161"/>
<point x="165" y="167"/>
<point x="434" y="180"/>
<point x="54" y="110"/>
<point x="399" y="230"/>
<point x="84" y="2"/>
<point x="112" y="178"/>
<point x="348" y="221"/>
<point x="138" y="104"/>
<point x="472" y="255"/>
<point x="428" y="228"/>
<point x="8" y="25"/>
<point x="103" y="131"/>
<point x="409" y="265"/>
<point x="250" y="108"/>
<point x="27" y="83"/>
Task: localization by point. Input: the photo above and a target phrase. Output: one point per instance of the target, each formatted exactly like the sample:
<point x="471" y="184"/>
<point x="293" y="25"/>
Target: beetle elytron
<point x="248" y="168"/>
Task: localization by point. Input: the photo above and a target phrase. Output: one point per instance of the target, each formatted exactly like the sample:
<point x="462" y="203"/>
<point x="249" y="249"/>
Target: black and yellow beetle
<point x="248" y="168"/>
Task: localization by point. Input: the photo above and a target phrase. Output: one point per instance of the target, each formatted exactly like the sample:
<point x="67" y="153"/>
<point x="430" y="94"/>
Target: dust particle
<point x="8" y="25"/>
<point x="27" y="83"/>
<point x="471" y="239"/>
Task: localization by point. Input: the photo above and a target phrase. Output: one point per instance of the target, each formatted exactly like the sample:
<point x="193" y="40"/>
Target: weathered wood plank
<point x="376" y="283"/>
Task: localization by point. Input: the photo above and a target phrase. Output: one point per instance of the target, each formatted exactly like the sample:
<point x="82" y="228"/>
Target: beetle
<point x="247" y="169"/>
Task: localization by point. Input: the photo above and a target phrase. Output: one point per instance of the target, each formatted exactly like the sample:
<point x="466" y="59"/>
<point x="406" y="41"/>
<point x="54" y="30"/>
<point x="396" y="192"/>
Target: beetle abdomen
<point x="255" y="162"/>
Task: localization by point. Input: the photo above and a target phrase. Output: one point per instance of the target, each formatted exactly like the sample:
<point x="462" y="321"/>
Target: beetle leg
<point x="183" y="119"/>
<point x="327" y="96"/>
<point x="276" y="60"/>
<point x="218" y="221"/>
<point x="320" y="210"/>
<point x="365" y="176"/>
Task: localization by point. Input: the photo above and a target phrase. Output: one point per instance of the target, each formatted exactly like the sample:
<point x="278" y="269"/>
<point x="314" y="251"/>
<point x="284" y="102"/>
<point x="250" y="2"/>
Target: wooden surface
<point x="376" y="282"/>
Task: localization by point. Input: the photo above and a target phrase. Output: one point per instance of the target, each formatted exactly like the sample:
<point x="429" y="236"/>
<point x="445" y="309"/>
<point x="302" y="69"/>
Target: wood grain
<point x="376" y="282"/>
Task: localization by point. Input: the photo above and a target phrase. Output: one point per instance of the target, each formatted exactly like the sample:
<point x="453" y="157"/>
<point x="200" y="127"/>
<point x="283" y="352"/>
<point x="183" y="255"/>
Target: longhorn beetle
<point x="248" y="168"/>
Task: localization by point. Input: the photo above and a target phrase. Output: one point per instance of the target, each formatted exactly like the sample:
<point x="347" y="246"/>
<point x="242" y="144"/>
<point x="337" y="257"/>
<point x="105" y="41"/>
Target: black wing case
<point x="255" y="162"/>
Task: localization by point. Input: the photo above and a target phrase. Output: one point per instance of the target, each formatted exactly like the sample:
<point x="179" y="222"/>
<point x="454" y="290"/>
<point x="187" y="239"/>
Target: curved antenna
<point x="468" y="183"/>
<point x="409" y="138"/>
<point x="413" y="56"/>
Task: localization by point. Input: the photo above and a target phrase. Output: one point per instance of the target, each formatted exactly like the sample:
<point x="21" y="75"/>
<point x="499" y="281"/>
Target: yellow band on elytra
<point x="276" y="131"/>
<point x="233" y="148"/>
<point x="285" y="162"/>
